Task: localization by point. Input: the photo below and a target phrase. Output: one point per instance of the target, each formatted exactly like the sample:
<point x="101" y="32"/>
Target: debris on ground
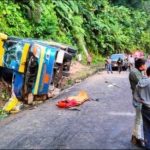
<point x="74" y="101"/>
<point x="74" y="108"/>
<point x="112" y="84"/>
<point x="96" y="99"/>
<point x="78" y="81"/>
<point x="13" y="105"/>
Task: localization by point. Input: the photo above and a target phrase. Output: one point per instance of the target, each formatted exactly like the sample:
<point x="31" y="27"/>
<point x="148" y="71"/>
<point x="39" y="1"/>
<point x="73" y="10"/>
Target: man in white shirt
<point x="131" y="61"/>
<point x="108" y="65"/>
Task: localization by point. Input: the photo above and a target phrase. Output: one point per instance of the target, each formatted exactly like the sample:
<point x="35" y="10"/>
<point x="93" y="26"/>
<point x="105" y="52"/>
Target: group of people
<point x="108" y="65"/>
<point x="139" y="78"/>
<point x="128" y="63"/>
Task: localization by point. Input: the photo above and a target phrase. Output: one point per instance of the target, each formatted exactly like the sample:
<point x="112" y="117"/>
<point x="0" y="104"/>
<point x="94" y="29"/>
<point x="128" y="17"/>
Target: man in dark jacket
<point x="142" y="95"/>
<point x="120" y="63"/>
<point x="135" y="75"/>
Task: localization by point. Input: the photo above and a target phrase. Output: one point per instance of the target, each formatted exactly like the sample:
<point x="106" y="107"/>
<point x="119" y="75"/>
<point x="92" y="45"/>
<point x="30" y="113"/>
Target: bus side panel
<point x="47" y="70"/>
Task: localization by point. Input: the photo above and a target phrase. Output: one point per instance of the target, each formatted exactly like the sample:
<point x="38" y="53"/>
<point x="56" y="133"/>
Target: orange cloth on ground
<point x="73" y="100"/>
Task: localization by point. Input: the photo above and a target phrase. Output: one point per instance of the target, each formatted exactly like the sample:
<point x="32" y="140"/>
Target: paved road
<point x="103" y="124"/>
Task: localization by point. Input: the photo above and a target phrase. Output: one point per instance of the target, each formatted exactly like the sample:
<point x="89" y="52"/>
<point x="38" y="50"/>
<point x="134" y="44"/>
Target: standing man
<point x="126" y="63"/>
<point x="108" y="65"/>
<point x="135" y="75"/>
<point x="120" y="63"/>
<point x="142" y="95"/>
<point x="131" y="61"/>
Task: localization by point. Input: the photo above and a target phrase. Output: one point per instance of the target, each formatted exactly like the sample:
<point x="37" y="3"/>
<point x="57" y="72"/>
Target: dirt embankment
<point x="79" y="72"/>
<point x="4" y="94"/>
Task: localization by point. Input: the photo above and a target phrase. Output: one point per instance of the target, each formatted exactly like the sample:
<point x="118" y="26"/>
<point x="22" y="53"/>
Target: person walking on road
<point x="142" y="95"/>
<point x="108" y="65"/>
<point x="134" y="76"/>
<point x="120" y="63"/>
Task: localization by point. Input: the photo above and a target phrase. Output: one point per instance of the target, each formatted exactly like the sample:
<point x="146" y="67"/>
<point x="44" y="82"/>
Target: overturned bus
<point x="32" y="67"/>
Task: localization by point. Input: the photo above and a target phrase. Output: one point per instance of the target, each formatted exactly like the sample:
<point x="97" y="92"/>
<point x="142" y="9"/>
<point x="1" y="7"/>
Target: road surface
<point x="103" y="124"/>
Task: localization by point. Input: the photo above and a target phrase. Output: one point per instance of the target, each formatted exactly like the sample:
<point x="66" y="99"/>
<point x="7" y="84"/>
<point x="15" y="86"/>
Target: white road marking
<point x="121" y="113"/>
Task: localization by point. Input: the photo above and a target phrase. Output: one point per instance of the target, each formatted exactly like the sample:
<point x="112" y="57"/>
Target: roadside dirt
<point x="79" y="71"/>
<point x="77" y="67"/>
<point x="2" y="103"/>
<point x="4" y="94"/>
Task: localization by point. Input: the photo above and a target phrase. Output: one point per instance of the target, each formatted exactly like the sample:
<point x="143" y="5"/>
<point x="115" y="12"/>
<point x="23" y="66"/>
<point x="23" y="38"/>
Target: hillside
<point x="100" y="27"/>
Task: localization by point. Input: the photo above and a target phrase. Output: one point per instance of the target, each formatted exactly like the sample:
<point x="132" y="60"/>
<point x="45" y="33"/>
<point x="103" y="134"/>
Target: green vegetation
<point x="3" y="114"/>
<point x="100" y="27"/>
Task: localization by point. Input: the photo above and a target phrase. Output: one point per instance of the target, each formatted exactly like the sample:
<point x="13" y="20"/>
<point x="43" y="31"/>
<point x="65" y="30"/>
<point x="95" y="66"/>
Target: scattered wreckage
<point x="33" y="69"/>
